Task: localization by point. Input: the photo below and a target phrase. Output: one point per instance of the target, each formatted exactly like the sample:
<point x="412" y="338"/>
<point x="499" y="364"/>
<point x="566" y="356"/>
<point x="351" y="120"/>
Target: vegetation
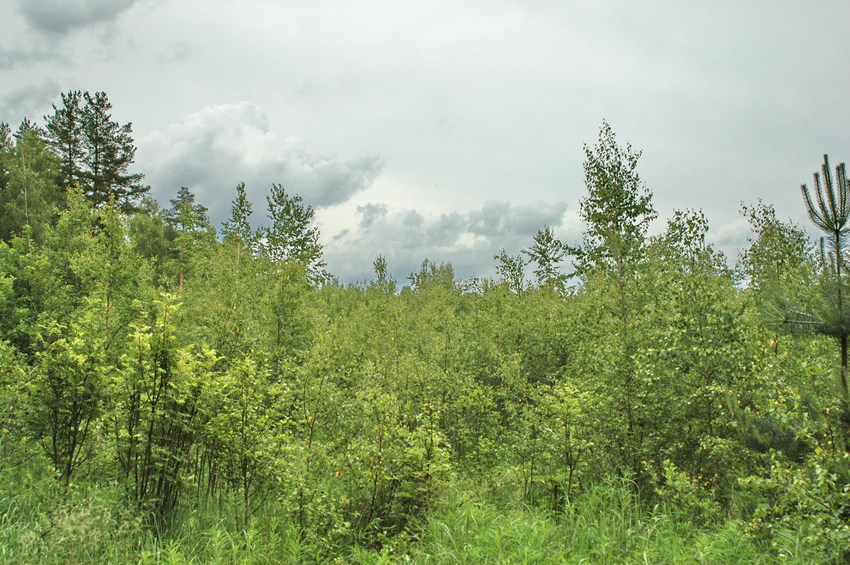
<point x="169" y="394"/>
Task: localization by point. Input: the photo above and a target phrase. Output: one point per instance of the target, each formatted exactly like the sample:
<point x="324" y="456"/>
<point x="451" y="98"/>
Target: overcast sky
<point x="449" y="129"/>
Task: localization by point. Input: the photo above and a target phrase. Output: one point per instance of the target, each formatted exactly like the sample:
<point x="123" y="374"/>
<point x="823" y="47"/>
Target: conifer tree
<point x="96" y="151"/>
<point x="64" y="135"/>
<point x="829" y="210"/>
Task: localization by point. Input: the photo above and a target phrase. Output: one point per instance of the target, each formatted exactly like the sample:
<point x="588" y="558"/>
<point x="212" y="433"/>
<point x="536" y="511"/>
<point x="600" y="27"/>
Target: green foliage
<point x="778" y="256"/>
<point x="290" y="237"/>
<point x="510" y="270"/>
<point x="812" y="501"/>
<point x="95" y="151"/>
<point x="238" y="229"/>
<point x="169" y="396"/>
<point x="606" y="525"/>
<point x="29" y="193"/>
<point x="546" y="252"/>
<point x="618" y="207"/>
<point x="151" y="238"/>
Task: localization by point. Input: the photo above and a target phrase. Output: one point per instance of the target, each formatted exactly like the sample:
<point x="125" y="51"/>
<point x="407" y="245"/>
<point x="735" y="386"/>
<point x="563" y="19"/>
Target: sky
<point x="450" y="130"/>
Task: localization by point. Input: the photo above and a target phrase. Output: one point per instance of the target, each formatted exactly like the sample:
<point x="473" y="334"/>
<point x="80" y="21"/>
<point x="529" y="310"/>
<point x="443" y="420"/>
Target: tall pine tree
<point x="96" y="151"/>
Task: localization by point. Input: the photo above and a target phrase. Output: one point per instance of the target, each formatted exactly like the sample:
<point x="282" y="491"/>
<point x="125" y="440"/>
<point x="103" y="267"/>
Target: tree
<point x="149" y="235"/>
<point x="95" y="150"/>
<point x="384" y="280"/>
<point x="830" y="316"/>
<point x="190" y="224"/>
<point x="238" y="227"/>
<point x="612" y="256"/>
<point x="5" y="136"/>
<point x="618" y="207"/>
<point x="290" y="236"/>
<point x="29" y="194"/>
<point x="64" y="135"/>
<point x="547" y="252"/>
<point x="511" y="270"/>
<point x="778" y="256"/>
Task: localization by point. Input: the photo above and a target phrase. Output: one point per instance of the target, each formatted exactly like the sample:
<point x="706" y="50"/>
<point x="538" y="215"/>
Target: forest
<point x="176" y="392"/>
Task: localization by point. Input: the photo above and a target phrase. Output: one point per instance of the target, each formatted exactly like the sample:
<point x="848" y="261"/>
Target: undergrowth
<point x="44" y="523"/>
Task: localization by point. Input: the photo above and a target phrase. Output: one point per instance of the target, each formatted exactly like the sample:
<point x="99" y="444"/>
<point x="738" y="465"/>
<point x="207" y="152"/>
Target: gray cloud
<point x="500" y="218"/>
<point x="212" y="150"/>
<point x="58" y="17"/>
<point x="31" y="101"/>
<point x="371" y="212"/>
<point x="33" y="53"/>
<point x="466" y="239"/>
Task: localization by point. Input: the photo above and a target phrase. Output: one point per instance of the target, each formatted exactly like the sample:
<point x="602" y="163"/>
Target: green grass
<point x="43" y="524"/>
<point x="604" y="526"/>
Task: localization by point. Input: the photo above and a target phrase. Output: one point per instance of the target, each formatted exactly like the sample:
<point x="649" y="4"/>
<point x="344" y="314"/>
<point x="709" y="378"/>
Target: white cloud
<point x="212" y="150"/>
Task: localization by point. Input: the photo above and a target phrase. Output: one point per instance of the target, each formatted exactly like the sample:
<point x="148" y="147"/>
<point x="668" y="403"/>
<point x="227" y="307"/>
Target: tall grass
<point x="606" y="525"/>
<point x="43" y="523"/>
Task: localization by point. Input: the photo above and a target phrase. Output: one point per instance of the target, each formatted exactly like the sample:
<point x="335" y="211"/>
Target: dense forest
<point x="171" y="392"/>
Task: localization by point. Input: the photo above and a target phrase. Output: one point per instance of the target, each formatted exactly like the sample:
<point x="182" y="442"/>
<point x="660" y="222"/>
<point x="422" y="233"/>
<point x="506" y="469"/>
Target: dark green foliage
<point x="95" y="152"/>
<point x="830" y="314"/>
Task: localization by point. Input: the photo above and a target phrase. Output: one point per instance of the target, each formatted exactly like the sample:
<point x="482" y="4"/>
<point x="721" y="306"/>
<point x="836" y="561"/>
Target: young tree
<point x="190" y="225"/>
<point x="5" y="136"/>
<point x="238" y="227"/>
<point x="290" y="237"/>
<point x="829" y="211"/>
<point x="511" y="270"/>
<point x="778" y="255"/>
<point x="547" y="252"/>
<point x="384" y="280"/>
<point x="618" y="207"/>
<point x="617" y="211"/>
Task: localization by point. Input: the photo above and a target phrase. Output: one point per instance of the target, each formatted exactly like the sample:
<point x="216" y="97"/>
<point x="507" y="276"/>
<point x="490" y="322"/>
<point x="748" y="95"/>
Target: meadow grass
<point x="43" y="524"/>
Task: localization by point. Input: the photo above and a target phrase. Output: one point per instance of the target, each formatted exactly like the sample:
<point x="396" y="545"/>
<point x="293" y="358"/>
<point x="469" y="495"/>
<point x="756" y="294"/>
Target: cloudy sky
<point x="449" y="129"/>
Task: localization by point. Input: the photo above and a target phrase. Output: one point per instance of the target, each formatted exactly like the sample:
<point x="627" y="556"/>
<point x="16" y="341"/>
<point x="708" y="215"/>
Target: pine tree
<point x="190" y="225"/>
<point x="5" y="136"/>
<point x="96" y="151"/>
<point x="64" y="135"/>
<point x="109" y="152"/>
<point x="830" y="315"/>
